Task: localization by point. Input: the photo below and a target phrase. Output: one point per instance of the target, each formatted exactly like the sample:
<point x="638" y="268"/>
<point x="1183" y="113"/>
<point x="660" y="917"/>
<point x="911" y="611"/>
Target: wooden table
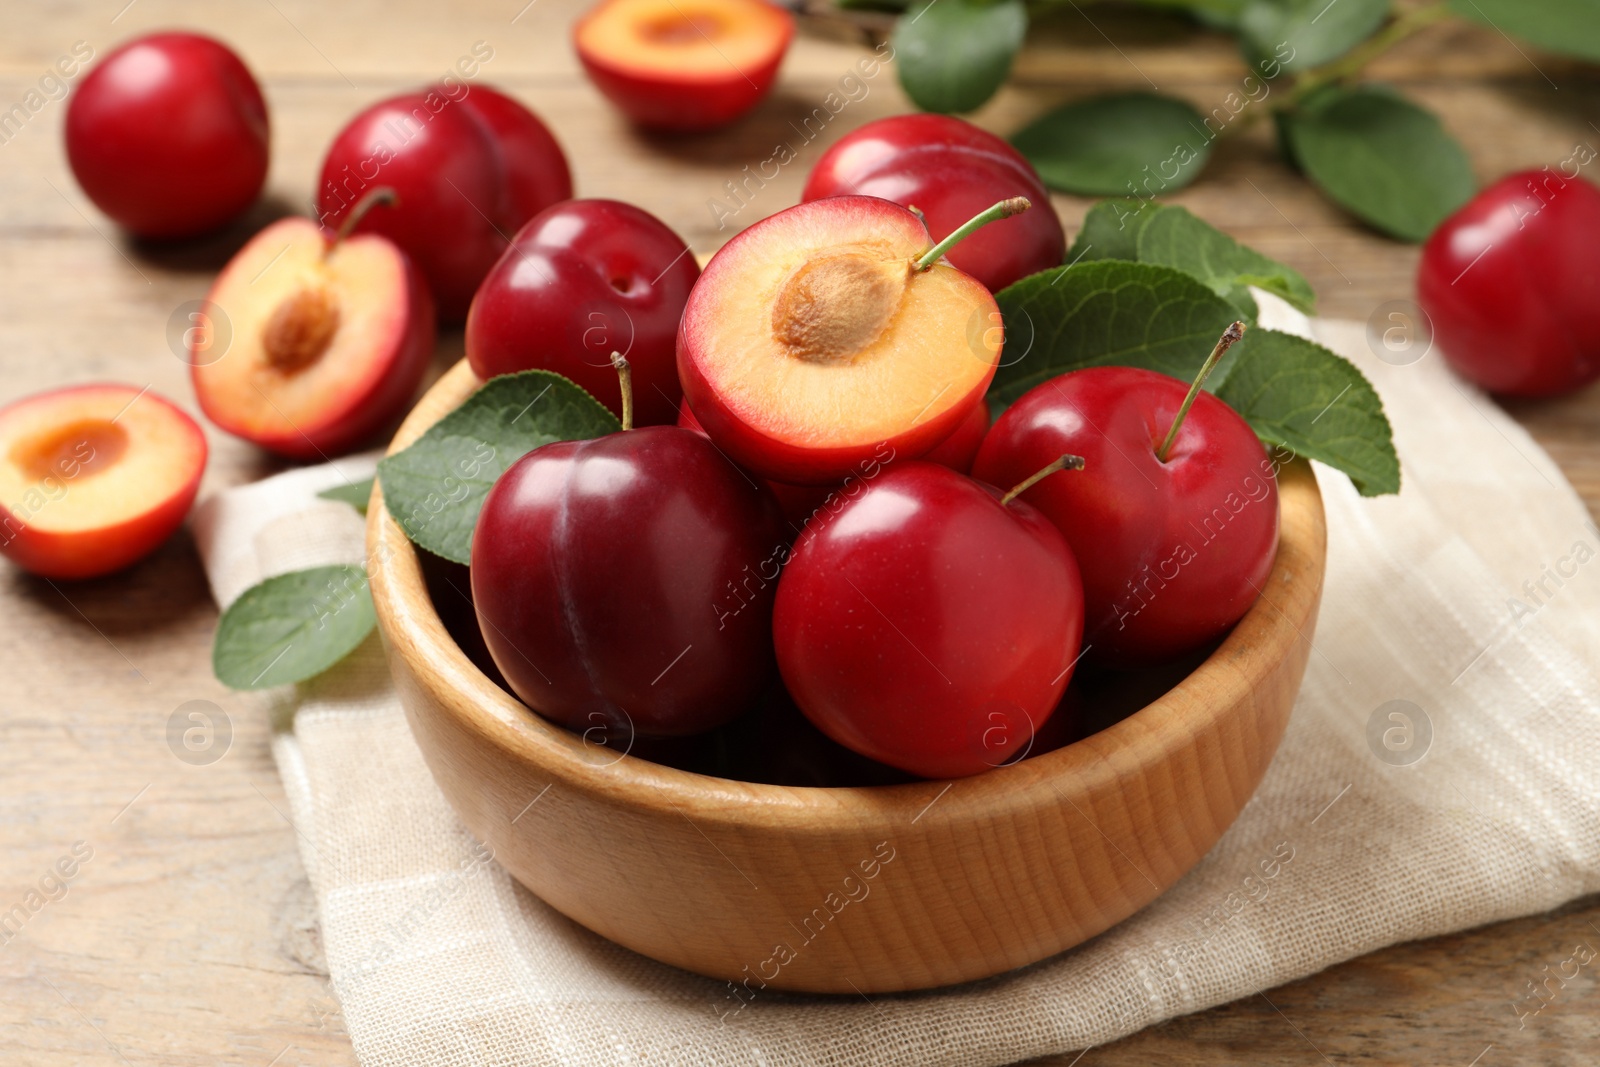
<point x="189" y="937"/>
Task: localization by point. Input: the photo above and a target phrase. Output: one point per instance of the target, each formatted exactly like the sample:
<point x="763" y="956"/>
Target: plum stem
<point x="1229" y="338"/>
<point x="1062" y="463"/>
<point x="381" y="195"/>
<point x="1015" y="205"/>
<point x="625" y="374"/>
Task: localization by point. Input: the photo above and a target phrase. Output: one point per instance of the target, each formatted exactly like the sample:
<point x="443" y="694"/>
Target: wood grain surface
<point x="188" y="936"/>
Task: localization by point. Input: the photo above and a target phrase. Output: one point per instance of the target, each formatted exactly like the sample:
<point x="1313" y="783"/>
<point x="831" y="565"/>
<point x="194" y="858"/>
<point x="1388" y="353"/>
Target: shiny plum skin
<point x="950" y="170"/>
<point x="1173" y="553"/>
<point x="1511" y="284"/>
<point x="168" y="135"/>
<point x="582" y="279"/>
<point x="625" y="584"/>
<point x="797" y="502"/>
<point x="801" y="502"/>
<point x="927" y="626"/>
<point x="960" y="449"/>
<point x="468" y="165"/>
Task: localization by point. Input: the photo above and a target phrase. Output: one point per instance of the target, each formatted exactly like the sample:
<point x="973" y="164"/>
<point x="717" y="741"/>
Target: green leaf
<point x="1111" y="230"/>
<point x="1297" y="394"/>
<point x="1113" y="312"/>
<point x="1382" y="158"/>
<point x="435" y="488"/>
<point x="356" y="494"/>
<point x="1106" y="312"/>
<point x="1314" y="31"/>
<point x="1129" y="143"/>
<point x="1174" y="238"/>
<point x="953" y="55"/>
<point x="292" y="627"/>
<point x="1148" y="232"/>
<point x="1567" y="27"/>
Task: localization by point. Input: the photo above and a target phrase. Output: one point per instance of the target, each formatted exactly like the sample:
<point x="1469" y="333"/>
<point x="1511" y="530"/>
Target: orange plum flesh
<point x="813" y="344"/>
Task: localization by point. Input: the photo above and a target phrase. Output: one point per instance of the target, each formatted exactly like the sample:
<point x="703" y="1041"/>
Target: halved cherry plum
<point x="94" y="478"/>
<point x="684" y="64"/>
<point x="330" y="339"/>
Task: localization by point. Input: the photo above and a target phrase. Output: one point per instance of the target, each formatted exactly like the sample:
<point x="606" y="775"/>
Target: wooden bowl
<point x="845" y="890"/>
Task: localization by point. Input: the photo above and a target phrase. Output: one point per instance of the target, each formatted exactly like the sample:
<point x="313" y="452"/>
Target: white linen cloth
<point x="1472" y="595"/>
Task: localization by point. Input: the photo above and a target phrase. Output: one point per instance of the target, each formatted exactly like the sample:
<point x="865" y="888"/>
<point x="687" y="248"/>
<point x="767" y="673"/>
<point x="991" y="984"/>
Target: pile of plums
<point x="832" y="510"/>
<point x="813" y="510"/>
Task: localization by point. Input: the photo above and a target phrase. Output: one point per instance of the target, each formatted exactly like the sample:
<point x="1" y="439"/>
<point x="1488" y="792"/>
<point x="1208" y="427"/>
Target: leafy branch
<point x="1382" y="157"/>
<point x="1403" y="25"/>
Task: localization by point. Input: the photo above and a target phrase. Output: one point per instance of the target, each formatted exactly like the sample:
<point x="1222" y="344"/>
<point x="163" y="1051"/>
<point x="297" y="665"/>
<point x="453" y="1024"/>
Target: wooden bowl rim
<point x="414" y="630"/>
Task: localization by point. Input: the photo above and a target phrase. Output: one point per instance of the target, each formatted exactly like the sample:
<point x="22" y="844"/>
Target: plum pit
<point x="84" y="446"/>
<point x="689" y="27"/>
<point x="834" y="306"/>
<point x="300" y="330"/>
